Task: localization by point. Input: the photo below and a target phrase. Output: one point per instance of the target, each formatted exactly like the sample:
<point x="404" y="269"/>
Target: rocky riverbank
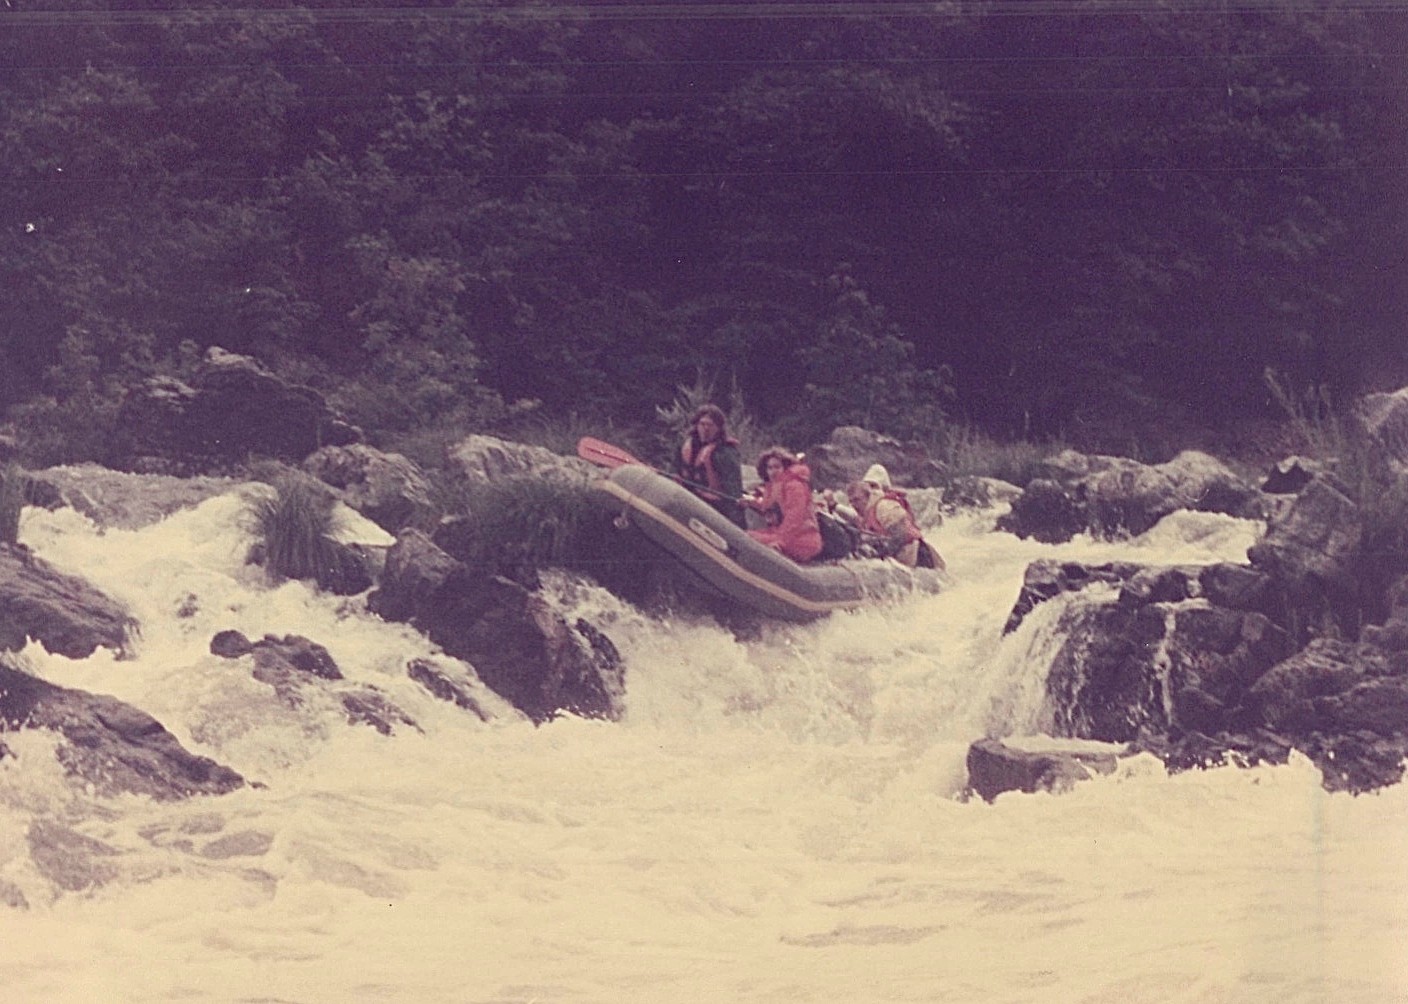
<point x="1302" y="647"/>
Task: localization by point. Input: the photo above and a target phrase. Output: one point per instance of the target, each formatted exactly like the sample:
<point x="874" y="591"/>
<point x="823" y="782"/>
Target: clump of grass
<point x="13" y="484"/>
<point x="1341" y="444"/>
<point x="294" y="526"/>
<point x="526" y="521"/>
<point x="970" y="452"/>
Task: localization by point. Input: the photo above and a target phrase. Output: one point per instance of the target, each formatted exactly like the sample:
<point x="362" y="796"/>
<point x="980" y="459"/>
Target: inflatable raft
<point x="735" y="565"/>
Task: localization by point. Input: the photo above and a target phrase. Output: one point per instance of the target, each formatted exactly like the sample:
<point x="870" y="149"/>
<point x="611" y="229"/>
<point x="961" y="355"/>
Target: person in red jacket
<point x="786" y="505"/>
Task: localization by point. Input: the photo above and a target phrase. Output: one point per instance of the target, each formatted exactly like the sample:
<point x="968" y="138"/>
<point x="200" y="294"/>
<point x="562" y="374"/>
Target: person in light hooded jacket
<point x="786" y="505"/>
<point x="885" y="517"/>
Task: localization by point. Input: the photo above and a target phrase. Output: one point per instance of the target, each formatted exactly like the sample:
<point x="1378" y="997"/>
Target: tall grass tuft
<point x="294" y="526"/>
<point x="1322" y="434"/>
<point x="532" y="521"/>
<point x="752" y="437"/>
<point x="14" y="481"/>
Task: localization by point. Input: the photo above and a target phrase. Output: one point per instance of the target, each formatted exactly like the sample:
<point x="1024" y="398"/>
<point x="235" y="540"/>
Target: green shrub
<point x="13" y="484"/>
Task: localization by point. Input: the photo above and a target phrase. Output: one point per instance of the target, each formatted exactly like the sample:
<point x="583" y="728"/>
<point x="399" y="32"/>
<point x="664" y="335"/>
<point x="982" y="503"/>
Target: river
<point x="778" y="818"/>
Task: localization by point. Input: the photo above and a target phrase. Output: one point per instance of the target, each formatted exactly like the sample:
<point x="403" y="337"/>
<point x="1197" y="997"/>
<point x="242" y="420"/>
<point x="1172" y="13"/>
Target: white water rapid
<point x="775" y="820"/>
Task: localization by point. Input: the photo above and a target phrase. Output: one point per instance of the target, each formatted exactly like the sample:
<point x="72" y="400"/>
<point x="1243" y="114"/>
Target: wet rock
<point x="486" y="458"/>
<point x="1331" y="686"/>
<point x="995" y="767"/>
<point x="1311" y="551"/>
<point x="1048" y="578"/>
<point x="1157" y="662"/>
<point x="65" y="614"/>
<point x="387" y="488"/>
<point x="1045" y="512"/>
<point x="1241" y="587"/>
<point x="1115" y="496"/>
<point x="109" y="744"/>
<point x="368" y="706"/>
<point x="295" y="666"/>
<point x="460" y="689"/>
<point x="972" y="492"/>
<point x="519" y="647"/>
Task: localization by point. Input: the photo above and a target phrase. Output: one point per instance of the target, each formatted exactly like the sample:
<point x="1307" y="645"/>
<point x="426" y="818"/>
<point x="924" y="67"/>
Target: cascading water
<point x="775" y="819"/>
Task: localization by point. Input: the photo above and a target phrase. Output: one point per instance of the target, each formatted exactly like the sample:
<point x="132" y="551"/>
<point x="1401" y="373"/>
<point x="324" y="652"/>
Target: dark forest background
<point x="1040" y="218"/>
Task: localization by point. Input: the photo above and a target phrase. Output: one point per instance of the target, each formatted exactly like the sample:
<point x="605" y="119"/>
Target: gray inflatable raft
<point x="746" y="572"/>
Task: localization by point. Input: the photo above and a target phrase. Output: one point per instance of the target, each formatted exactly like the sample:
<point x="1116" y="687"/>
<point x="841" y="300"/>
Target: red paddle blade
<point x="604" y="454"/>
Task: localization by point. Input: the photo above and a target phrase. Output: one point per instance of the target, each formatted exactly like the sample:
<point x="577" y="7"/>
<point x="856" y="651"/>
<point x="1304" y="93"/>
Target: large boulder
<point x="1115" y="496"/>
<point x="387" y="488"/>
<point x="1045" y="512"/>
<point x="1157" y="658"/>
<point x="520" y="647"/>
<point x="1312" y="549"/>
<point x="487" y="458"/>
<point x="108" y="744"/>
<point x="65" y="614"/>
<point x="1337" y="687"/>
<point x="232" y="408"/>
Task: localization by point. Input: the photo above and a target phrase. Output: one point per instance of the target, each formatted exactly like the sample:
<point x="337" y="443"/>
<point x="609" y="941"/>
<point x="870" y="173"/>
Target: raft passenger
<point x="884" y="513"/>
<point x="709" y="464"/>
<point x="786" y="505"/>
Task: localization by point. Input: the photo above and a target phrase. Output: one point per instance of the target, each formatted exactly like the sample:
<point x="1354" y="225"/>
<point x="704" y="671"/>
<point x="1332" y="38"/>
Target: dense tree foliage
<point x="1029" y="214"/>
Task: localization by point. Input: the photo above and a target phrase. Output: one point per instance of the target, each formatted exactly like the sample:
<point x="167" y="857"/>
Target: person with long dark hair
<point x="709" y="465"/>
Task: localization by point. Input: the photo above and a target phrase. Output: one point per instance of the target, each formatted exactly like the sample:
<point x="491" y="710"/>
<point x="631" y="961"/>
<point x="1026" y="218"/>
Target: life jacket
<point x="911" y="524"/>
<point x="697" y="462"/>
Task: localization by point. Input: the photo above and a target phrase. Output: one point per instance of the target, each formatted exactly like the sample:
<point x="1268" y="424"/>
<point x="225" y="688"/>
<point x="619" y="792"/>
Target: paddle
<point x="604" y="454"/>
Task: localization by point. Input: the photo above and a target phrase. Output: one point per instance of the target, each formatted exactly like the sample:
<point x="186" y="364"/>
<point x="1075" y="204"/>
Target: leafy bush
<point x="13" y="483"/>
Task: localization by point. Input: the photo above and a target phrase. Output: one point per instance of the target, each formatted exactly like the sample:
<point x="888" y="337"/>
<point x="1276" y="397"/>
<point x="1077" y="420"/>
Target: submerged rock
<point x="995" y="766"/>
<point x="293" y="664"/>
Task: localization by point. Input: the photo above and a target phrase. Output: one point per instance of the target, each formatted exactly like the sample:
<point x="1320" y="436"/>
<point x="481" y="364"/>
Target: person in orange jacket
<point x="786" y="505"/>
